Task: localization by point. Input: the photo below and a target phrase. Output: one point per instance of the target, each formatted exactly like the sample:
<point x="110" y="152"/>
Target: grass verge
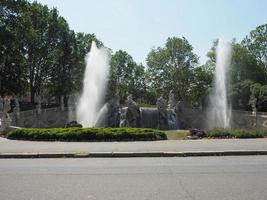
<point x="237" y="133"/>
<point x="176" y="134"/>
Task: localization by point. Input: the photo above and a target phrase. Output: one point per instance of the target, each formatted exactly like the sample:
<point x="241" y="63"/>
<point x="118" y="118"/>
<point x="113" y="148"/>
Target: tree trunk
<point x="32" y="93"/>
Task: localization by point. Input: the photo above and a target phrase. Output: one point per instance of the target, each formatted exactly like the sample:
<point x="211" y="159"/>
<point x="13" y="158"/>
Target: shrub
<point x="237" y="133"/>
<point x="87" y="134"/>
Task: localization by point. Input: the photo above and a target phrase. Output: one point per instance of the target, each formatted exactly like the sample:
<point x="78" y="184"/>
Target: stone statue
<point x="254" y="107"/>
<point x="71" y="107"/>
<point x="114" y="114"/>
<point x="62" y="106"/>
<point x="172" y="119"/>
<point x="1" y="104"/>
<point x="171" y="102"/>
<point x="5" y="120"/>
<point x="39" y="106"/>
<point x="162" y="113"/>
<point x="133" y="112"/>
<point x="72" y="101"/>
<point x="6" y="106"/>
<point x="17" y="102"/>
<point x="16" y="109"/>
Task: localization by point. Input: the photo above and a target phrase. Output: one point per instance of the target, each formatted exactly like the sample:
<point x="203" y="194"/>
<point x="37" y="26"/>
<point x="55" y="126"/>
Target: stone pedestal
<point x="5" y="123"/>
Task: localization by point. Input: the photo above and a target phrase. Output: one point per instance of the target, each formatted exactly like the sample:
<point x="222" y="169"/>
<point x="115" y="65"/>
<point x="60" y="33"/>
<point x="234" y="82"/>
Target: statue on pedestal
<point x="133" y="112"/>
<point x="162" y="113"/>
<point x="6" y="106"/>
<point x="172" y="119"/>
<point x="171" y="102"/>
<point x="71" y="108"/>
<point x="5" y="119"/>
<point x="16" y="109"/>
<point x="62" y="106"/>
<point x="39" y="106"/>
<point x="114" y="114"/>
<point x="1" y="104"/>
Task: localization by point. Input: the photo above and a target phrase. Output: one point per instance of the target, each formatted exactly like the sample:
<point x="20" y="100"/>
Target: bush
<point x="87" y="134"/>
<point x="237" y="133"/>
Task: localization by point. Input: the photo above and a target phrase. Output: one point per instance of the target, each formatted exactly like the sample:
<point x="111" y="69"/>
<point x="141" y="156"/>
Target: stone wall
<point x="186" y="118"/>
<point x="51" y="117"/>
<point x="198" y="118"/>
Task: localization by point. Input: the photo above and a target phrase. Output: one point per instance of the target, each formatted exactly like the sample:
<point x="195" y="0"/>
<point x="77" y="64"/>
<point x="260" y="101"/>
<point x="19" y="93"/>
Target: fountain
<point x="94" y="86"/>
<point x="220" y="114"/>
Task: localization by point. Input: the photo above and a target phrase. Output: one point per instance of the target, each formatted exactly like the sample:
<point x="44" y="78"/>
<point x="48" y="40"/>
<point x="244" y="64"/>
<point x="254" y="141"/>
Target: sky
<point x="137" y="26"/>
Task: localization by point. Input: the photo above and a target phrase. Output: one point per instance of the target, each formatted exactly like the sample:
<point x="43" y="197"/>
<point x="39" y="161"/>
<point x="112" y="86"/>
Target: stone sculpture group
<point x="129" y="115"/>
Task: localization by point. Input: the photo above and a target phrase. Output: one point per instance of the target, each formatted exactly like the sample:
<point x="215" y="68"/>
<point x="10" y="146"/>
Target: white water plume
<point x="94" y="85"/>
<point x="220" y="114"/>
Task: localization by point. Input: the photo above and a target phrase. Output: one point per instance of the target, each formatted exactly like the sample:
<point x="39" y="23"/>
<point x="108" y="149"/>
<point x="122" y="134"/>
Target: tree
<point x="256" y="43"/>
<point x="245" y="71"/>
<point x="201" y="83"/>
<point x="39" y="28"/>
<point x="39" y="52"/>
<point x="171" y="67"/>
<point x="258" y="96"/>
<point x="126" y="76"/>
<point x="12" y="65"/>
<point x="244" y="66"/>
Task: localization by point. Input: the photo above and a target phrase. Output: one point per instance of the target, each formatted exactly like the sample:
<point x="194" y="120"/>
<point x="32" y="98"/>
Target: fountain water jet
<point x="220" y="114"/>
<point x="94" y="85"/>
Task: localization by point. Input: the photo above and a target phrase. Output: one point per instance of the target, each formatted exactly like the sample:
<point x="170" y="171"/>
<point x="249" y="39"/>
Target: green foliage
<point x="171" y="67"/>
<point x="126" y="76"/>
<point x="39" y="52"/>
<point x="245" y="67"/>
<point x="87" y="134"/>
<point x="201" y="83"/>
<point x="256" y="43"/>
<point x="258" y="95"/>
<point x="237" y="133"/>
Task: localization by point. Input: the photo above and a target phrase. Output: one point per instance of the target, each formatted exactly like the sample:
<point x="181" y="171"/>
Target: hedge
<point x="87" y="134"/>
<point x="237" y="133"/>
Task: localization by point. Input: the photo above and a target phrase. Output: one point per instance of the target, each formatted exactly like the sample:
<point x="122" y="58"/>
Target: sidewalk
<point x="204" y="147"/>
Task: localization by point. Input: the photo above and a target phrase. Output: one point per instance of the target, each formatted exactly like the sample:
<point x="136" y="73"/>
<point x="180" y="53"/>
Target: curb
<point x="132" y="154"/>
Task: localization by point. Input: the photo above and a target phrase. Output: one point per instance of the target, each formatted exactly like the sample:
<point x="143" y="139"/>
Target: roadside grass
<point x="176" y="134"/>
<point x="237" y="133"/>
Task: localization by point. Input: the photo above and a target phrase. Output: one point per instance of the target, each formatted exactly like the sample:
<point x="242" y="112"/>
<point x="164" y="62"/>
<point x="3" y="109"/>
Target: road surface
<point x="190" y="178"/>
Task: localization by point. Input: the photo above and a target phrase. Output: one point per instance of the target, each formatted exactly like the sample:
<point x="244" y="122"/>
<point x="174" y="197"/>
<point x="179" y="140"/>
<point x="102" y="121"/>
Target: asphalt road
<point x="190" y="178"/>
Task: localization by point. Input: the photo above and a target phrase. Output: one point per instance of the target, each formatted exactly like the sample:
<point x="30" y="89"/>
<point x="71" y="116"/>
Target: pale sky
<point x="138" y="25"/>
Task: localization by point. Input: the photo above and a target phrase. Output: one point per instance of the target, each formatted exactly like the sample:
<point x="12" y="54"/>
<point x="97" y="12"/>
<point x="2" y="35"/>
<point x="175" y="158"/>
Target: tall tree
<point x="126" y="76"/>
<point x="12" y="65"/>
<point x="171" y="67"/>
<point x="256" y="43"/>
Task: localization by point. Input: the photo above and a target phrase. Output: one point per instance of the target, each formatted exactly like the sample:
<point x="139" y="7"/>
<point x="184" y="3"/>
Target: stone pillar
<point x="5" y="119"/>
<point x="162" y="114"/>
<point x="5" y="123"/>
<point x="39" y="106"/>
<point x="62" y="103"/>
<point x="16" y="110"/>
<point x="71" y="108"/>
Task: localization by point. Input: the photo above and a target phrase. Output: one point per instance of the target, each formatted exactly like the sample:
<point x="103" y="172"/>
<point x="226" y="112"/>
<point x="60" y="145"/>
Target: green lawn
<point x="176" y="134"/>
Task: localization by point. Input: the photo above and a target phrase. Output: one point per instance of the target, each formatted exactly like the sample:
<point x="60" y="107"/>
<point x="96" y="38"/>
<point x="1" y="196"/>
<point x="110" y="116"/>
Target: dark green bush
<point x="237" y="133"/>
<point x="87" y="134"/>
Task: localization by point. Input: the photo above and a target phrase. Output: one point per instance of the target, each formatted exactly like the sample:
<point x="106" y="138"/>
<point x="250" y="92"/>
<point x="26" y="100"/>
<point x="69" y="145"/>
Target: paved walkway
<point x="16" y="146"/>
